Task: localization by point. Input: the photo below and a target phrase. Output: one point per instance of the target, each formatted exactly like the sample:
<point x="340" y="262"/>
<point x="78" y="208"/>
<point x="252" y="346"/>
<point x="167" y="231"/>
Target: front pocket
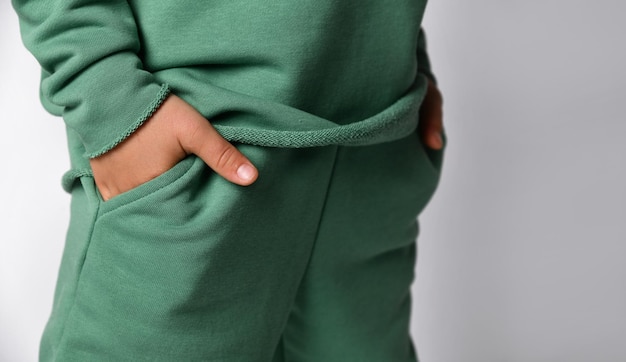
<point x="152" y="186"/>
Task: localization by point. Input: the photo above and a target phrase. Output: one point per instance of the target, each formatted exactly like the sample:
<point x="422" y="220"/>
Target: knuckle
<point x="191" y="137"/>
<point x="226" y="156"/>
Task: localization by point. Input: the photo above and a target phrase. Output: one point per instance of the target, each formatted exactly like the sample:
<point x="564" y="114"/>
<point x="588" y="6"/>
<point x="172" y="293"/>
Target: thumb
<point x="219" y="154"/>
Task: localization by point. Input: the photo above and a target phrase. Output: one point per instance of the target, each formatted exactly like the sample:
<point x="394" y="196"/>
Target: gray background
<point x="522" y="251"/>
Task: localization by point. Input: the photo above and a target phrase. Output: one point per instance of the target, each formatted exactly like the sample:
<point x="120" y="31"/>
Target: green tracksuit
<point x="314" y="261"/>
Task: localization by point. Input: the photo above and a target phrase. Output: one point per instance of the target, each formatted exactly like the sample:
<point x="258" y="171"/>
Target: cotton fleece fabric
<point x="270" y="73"/>
<point x="314" y="261"/>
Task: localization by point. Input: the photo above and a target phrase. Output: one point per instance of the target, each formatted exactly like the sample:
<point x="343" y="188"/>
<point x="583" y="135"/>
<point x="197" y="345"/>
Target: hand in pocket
<point x="175" y="130"/>
<point x="431" y="118"/>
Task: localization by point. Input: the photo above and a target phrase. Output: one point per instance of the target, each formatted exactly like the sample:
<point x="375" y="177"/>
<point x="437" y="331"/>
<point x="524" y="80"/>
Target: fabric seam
<point x="312" y="249"/>
<point x="80" y="275"/>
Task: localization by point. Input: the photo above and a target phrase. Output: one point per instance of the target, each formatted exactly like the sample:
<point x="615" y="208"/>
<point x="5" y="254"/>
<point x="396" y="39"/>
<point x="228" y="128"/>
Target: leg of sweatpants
<point x="354" y="301"/>
<point x="189" y="267"/>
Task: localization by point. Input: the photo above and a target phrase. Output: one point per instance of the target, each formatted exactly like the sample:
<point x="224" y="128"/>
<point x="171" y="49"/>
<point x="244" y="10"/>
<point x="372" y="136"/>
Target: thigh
<point x="354" y="301"/>
<point x="188" y="266"/>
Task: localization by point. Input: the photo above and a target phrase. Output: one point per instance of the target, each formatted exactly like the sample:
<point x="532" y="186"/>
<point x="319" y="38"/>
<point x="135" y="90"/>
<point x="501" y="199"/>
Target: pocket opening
<point x="147" y="188"/>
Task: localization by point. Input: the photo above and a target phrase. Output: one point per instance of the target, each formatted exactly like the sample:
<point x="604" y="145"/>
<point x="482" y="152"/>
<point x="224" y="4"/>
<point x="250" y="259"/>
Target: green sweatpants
<point x="313" y="262"/>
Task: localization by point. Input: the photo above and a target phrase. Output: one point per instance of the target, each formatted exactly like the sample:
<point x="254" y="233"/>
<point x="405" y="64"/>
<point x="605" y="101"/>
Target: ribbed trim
<point x="154" y="105"/>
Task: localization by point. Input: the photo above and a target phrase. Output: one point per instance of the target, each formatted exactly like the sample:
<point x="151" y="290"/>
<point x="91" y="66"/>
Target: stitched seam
<point x="80" y="275"/>
<point x="323" y="209"/>
<point x="315" y="237"/>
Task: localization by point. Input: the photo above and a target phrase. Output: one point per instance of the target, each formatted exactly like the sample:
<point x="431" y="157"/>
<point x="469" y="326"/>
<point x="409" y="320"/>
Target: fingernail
<point x="246" y="172"/>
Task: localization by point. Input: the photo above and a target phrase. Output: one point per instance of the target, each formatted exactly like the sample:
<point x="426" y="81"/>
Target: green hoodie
<point x="278" y="73"/>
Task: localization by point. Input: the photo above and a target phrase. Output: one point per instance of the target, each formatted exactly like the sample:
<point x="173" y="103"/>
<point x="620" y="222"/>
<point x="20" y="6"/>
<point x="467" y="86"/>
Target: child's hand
<point x="431" y="118"/>
<point x="175" y="130"/>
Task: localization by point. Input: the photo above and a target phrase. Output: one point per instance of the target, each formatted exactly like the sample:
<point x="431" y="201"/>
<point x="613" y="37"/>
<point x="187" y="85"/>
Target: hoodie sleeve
<point x="423" y="61"/>
<point x="91" y="73"/>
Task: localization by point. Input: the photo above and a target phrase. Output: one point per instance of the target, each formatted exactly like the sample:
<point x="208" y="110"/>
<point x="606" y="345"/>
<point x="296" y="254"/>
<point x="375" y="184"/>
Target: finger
<point x="431" y="119"/>
<point x="433" y="129"/>
<point x="219" y="154"/>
